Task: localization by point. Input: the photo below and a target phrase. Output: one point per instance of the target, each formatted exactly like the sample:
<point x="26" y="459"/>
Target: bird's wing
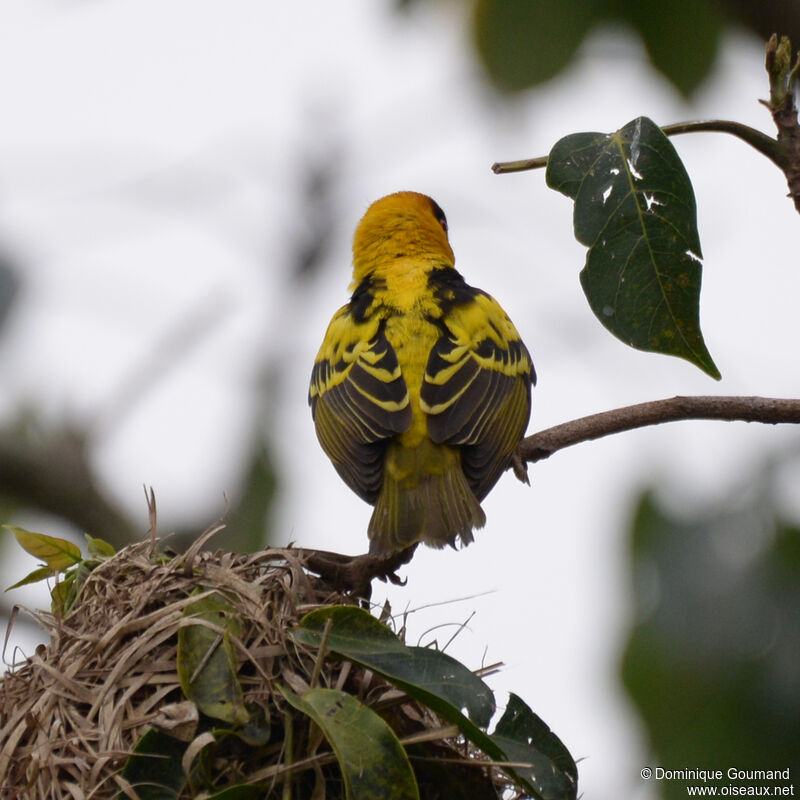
<point x="477" y="389"/>
<point x="358" y="399"/>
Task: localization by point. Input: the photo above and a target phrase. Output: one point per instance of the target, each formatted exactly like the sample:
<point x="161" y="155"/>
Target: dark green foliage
<point x="635" y="211"/>
<point x="155" y="767"/>
<point x="523" y="43"/>
<point x="446" y="687"/>
<point x="712" y="660"/>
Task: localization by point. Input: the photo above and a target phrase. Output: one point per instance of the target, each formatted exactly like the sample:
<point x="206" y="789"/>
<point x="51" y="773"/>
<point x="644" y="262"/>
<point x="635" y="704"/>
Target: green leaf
<point x="635" y="211"/>
<point x="433" y="678"/>
<point x="154" y="769"/>
<point x="372" y="760"/>
<point x="39" y="574"/>
<point x="524" y="43"/>
<point x="207" y="665"/>
<point x="420" y="671"/>
<point x="99" y="548"/>
<point x="57" y="554"/>
<point x="257" y="730"/>
<point x="681" y="38"/>
<point x="525" y="738"/>
<point x="63" y="594"/>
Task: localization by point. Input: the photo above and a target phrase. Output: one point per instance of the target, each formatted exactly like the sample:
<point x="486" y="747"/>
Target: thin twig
<point x="768" y="410"/>
<point x="432" y="735"/>
<point x="152" y="514"/>
<point x="288" y="728"/>
<point x="321" y="653"/>
<point x="503" y="167"/>
<point x="765" y="144"/>
<point x="474" y="762"/>
<point x="460" y="628"/>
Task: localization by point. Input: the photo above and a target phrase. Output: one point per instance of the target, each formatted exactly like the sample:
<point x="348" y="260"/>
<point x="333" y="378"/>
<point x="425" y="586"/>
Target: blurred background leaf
<point x="681" y="38"/>
<point x="9" y="286"/>
<point x="711" y="661"/>
<point x="523" y="43"/>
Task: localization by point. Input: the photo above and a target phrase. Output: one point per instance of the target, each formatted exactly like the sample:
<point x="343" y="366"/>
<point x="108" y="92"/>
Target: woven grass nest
<point x="72" y="714"/>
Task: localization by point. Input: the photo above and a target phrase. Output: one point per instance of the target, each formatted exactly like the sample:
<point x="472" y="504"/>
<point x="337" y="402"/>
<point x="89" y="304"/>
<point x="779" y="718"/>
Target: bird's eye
<point x="439" y="214"/>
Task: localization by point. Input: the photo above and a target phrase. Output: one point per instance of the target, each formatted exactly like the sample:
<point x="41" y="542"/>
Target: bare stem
<point x="502" y="167"/>
<point x="760" y="141"/>
<point x="766" y="145"/>
<point x="768" y="410"/>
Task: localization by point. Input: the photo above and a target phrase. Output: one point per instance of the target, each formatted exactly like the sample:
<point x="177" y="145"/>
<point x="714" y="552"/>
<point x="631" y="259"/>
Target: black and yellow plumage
<point x="422" y="387"/>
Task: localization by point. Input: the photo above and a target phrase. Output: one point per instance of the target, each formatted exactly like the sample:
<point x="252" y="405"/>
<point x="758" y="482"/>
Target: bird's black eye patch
<point x="439" y="214"/>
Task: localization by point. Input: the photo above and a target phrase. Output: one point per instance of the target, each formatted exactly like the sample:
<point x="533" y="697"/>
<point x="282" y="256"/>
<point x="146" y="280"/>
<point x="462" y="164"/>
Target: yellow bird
<point x="421" y="390"/>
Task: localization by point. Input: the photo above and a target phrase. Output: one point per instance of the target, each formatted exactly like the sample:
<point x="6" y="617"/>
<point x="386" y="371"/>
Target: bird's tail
<point x="424" y="498"/>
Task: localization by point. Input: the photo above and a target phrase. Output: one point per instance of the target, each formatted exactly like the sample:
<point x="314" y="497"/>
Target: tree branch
<point x="769" y="410"/>
<point x="50" y="471"/>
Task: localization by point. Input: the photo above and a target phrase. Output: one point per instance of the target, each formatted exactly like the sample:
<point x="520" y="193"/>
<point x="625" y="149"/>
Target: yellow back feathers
<point x="422" y="387"/>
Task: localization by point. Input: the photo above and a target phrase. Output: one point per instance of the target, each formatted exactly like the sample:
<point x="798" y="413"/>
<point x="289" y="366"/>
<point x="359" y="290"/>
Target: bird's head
<point x="403" y="225"/>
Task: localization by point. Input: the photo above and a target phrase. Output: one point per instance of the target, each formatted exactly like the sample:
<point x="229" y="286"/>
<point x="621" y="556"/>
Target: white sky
<point x="149" y="154"/>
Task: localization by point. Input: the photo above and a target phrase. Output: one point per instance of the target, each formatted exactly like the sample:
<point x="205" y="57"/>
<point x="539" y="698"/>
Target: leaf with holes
<point x="635" y="211"/>
<point x="524" y="737"/>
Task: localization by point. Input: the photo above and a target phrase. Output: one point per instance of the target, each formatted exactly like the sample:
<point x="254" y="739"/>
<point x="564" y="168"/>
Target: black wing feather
<point x="358" y="399"/>
<point x="476" y="390"/>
